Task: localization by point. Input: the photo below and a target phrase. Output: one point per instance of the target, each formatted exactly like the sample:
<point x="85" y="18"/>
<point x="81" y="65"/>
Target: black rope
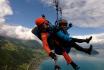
<point x="58" y="11"/>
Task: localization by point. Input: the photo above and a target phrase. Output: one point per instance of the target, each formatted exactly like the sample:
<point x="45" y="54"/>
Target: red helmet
<point x="40" y="21"/>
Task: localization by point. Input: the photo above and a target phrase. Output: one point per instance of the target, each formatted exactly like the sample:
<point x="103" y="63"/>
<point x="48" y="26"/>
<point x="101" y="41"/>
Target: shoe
<point x="90" y="50"/>
<point x="57" y="67"/>
<point x="77" y="68"/>
<point x="88" y="40"/>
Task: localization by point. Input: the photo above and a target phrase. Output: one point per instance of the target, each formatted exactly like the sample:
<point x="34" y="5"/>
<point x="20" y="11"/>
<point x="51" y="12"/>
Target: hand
<point x="52" y="55"/>
<point x="70" y="25"/>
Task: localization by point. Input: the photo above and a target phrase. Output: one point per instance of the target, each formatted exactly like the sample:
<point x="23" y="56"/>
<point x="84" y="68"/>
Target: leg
<point x="57" y="67"/>
<point x="58" y="50"/>
<point x="74" y="65"/>
<point x="67" y="49"/>
<point x="86" y="50"/>
<point x="87" y="40"/>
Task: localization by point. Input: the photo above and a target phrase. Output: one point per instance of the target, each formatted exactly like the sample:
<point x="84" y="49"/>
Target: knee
<point x="58" y="51"/>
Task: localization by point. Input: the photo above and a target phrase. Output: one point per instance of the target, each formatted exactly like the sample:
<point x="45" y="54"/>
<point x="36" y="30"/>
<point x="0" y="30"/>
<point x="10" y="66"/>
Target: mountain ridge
<point x="16" y="54"/>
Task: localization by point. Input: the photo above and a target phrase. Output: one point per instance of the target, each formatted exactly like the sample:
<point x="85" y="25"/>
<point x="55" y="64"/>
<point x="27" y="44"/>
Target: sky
<point x="26" y="11"/>
<point x="86" y="15"/>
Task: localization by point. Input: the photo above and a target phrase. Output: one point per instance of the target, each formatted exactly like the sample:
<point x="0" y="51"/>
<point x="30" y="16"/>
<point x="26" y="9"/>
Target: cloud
<point x="18" y="32"/>
<point x="5" y="9"/>
<point x="96" y="38"/>
<point x="21" y="32"/>
<point x="83" y="13"/>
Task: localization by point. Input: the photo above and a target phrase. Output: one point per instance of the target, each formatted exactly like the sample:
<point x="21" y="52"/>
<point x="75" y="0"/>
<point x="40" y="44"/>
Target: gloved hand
<point x="52" y="55"/>
<point x="70" y="25"/>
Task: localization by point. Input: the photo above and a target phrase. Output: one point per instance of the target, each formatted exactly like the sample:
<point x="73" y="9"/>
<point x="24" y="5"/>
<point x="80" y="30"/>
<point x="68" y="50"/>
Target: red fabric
<point x="65" y="54"/>
<point x="67" y="57"/>
<point x="44" y="37"/>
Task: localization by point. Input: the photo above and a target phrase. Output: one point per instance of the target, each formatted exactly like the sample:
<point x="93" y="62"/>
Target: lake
<point x="86" y="62"/>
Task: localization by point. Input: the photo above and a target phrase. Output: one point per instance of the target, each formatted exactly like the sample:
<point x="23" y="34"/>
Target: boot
<point x="57" y="67"/>
<point x="76" y="67"/>
<point x="88" y="39"/>
<point x="89" y="50"/>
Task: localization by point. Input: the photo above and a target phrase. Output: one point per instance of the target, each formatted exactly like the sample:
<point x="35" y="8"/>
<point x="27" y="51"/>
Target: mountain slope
<point x="17" y="54"/>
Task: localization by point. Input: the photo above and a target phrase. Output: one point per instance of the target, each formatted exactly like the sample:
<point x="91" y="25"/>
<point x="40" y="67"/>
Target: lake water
<point x="86" y="62"/>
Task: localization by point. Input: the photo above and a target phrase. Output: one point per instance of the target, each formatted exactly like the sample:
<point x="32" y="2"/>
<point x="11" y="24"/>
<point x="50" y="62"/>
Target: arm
<point x="46" y="46"/>
<point x="44" y="41"/>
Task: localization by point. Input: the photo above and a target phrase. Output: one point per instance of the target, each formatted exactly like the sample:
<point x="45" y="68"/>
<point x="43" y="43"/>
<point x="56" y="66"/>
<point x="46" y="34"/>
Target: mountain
<point x="20" y="42"/>
<point x="19" y="48"/>
<point x="17" y="54"/>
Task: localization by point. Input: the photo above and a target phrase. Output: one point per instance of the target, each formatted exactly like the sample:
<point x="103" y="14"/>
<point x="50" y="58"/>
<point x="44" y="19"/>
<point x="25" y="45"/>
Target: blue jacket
<point x="63" y="36"/>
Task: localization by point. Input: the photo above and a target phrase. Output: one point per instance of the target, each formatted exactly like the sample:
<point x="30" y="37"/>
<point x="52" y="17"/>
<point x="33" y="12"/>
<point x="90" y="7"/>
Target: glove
<point x="70" y="25"/>
<point x="52" y="55"/>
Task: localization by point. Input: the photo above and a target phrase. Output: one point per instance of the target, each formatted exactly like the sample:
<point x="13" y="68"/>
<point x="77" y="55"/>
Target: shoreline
<point x="40" y="56"/>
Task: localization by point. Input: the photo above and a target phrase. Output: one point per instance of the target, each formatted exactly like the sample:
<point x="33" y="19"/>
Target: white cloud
<point x="18" y="32"/>
<point x="83" y="13"/>
<point x="96" y="38"/>
<point x="5" y="9"/>
<point x="21" y="32"/>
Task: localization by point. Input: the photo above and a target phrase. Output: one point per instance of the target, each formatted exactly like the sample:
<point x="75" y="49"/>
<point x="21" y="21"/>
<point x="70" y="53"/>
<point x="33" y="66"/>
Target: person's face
<point x="64" y="26"/>
<point x="46" y="26"/>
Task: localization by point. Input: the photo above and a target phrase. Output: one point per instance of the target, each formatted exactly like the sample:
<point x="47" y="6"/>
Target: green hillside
<point x="18" y="54"/>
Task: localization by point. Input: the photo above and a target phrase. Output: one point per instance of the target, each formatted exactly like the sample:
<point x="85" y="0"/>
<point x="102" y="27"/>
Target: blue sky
<point x="25" y="11"/>
<point x="85" y="20"/>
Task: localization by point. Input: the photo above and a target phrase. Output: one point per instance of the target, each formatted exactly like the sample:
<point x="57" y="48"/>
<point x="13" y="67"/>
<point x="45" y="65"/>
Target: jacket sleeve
<point x="63" y="36"/>
<point x="44" y="41"/>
